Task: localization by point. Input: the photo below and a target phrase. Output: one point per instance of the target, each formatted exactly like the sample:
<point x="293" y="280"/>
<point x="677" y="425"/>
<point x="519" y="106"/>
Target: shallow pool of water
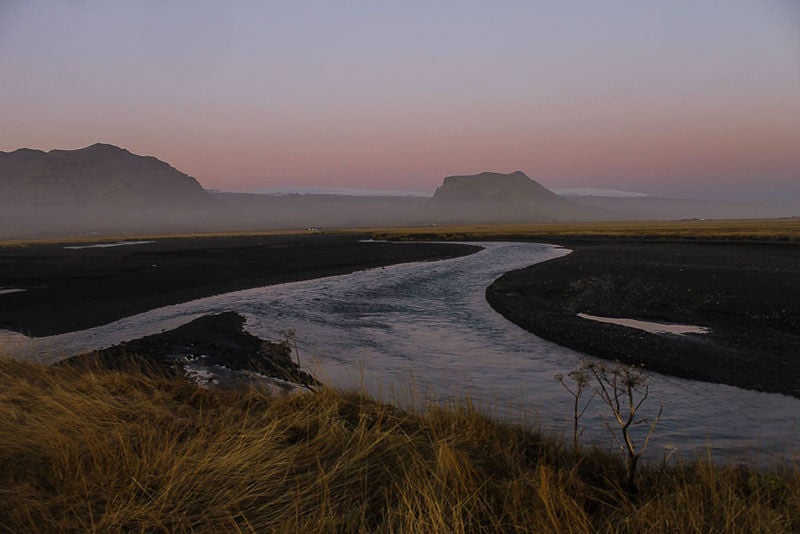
<point x="10" y="290"/>
<point x="649" y="326"/>
<point x="108" y="245"/>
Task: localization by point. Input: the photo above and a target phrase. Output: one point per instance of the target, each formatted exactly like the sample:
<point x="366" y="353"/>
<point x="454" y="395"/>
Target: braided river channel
<point x="423" y="332"/>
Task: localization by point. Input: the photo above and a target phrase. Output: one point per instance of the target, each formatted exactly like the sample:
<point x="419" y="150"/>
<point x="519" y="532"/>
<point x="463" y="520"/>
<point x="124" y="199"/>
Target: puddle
<point x="9" y="290"/>
<point x="109" y="245"/>
<point x="649" y="326"/>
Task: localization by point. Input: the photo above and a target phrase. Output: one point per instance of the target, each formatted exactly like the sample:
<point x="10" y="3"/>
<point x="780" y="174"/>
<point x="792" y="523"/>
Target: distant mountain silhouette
<point x="104" y="189"/>
<point x="99" y="174"/>
<point x="491" y="197"/>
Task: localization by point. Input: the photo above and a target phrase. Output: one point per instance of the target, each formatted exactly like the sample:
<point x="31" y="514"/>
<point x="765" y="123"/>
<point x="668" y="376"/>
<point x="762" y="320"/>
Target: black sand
<point x="747" y="293"/>
<point x="210" y="341"/>
<point x="68" y="290"/>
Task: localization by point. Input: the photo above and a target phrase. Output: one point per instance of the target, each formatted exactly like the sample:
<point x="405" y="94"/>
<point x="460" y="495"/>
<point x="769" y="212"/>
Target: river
<point x="422" y="332"/>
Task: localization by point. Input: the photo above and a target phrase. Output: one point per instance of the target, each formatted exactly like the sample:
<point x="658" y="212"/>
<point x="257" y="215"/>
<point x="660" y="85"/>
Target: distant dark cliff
<point x="98" y="174"/>
<point x="492" y="186"/>
<point x="491" y="197"/>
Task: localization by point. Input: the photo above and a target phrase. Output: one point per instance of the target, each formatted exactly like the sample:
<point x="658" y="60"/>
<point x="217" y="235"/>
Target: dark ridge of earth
<point x="213" y="343"/>
<point x="747" y="293"/>
<point x="68" y="290"/>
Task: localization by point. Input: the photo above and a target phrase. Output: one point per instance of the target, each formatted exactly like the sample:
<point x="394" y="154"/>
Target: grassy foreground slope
<point x="89" y="449"/>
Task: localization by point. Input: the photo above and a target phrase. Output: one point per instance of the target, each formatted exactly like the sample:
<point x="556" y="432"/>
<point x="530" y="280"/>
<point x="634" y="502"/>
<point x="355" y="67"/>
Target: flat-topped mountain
<point x="494" y="197"/>
<point x="492" y="186"/>
<point x="98" y="174"/>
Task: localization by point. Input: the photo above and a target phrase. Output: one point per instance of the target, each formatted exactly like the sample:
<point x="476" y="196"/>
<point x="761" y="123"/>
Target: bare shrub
<point x="576" y="382"/>
<point x="624" y="389"/>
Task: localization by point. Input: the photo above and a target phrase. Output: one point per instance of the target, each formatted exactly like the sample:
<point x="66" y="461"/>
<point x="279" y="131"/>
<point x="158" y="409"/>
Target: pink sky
<point x="688" y="98"/>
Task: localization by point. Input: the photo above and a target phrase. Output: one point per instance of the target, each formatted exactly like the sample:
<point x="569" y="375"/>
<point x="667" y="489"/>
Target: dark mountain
<point x="96" y="175"/>
<point x="491" y="197"/>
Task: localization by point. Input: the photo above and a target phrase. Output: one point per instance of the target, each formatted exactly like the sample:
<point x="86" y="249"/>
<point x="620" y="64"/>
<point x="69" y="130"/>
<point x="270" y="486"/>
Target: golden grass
<point x="113" y="238"/>
<point x="90" y="450"/>
<point x="787" y="229"/>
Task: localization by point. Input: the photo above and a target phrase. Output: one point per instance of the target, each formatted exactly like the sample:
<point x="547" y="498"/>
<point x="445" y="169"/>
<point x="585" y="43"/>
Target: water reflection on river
<point x="425" y="330"/>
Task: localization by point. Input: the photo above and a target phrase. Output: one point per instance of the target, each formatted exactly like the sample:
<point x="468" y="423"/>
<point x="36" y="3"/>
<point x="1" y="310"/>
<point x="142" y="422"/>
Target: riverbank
<point x="745" y="293"/>
<point x="61" y="289"/>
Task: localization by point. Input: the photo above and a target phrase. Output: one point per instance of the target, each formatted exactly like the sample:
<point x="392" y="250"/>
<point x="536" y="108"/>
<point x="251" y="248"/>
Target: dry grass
<point x="89" y="450"/>
<point x="113" y="238"/>
<point x="784" y="230"/>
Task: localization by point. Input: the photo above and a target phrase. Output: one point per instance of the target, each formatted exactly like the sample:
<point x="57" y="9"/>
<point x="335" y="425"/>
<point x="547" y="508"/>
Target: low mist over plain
<point x="104" y="189"/>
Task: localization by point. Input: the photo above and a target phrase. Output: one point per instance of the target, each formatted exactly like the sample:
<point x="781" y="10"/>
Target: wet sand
<point x="747" y="294"/>
<point x="68" y="289"/>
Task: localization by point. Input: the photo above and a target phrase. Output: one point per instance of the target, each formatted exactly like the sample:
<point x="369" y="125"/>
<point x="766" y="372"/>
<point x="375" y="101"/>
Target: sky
<point x="696" y="98"/>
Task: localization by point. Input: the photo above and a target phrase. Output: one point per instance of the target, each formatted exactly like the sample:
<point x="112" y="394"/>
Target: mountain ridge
<point x="97" y="174"/>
